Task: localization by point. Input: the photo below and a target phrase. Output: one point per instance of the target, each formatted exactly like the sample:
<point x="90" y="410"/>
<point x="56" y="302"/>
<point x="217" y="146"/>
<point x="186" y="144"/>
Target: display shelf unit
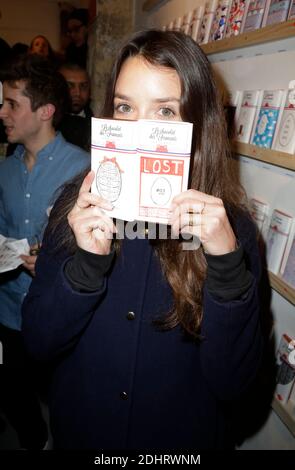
<point x="270" y="33"/>
<point x="284" y="289"/>
<point x="273" y="157"/>
<point x="284" y="413"/>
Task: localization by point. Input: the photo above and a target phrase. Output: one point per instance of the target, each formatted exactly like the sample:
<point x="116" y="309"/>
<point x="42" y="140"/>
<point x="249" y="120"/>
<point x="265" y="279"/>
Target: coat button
<point x="124" y="395"/>
<point x="130" y="316"/>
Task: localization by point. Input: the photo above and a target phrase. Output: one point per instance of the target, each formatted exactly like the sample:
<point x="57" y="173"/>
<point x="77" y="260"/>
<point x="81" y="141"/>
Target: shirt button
<point x="27" y="221"/>
<point x="50" y="158"/>
<point x="28" y="195"/>
<point x="130" y="316"/>
<point x="124" y="395"/>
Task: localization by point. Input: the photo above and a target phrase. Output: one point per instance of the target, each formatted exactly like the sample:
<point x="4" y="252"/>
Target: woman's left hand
<point x="204" y="216"/>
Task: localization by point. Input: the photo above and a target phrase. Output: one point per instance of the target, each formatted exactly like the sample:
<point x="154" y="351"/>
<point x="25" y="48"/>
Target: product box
<point x="289" y="268"/>
<point x="219" y="23"/>
<point x="236" y="17"/>
<point x="277" y="12"/>
<point x="250" y="103"/>
<point x="291" y="14"/>
<point x="140" y="165"/>
<point x="196" y="20"/>
<point x="259" y="212"/>
<point x="284" y="140"/>
<point x="255" y="14"/>
<point x="266" y="122"/>
<point x="277" y="238"/>
<point x="285" y="368"/>
<point x="207" y="20"/>
<point x="186" y="22"/>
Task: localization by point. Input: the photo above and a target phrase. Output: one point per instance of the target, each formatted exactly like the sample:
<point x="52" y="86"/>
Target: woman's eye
<point x="167" y="112"/>
<point x="123" y="108"/>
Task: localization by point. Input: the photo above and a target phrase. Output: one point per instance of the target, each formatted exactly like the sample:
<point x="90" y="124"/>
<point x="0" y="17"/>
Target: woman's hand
<point x="204" y="216"/>
<point x="93" y="229"/>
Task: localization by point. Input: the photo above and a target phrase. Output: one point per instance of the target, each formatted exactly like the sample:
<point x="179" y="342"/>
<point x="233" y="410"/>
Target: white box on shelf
<point x="177" y="23"/>
<point x="277" y="237"/>
<point x="288" y="270"/>
<point x="219" y="23"/>
<point x="277" y="12"/>
<point x="236" y="17"/>
<point x="186" y="22"/>
<point x="291" y="14"/>
<point x="250" y="103"/>
<point x="255" y="14"/>
<point x="259" y="212"/>
<point x="266" y="121"/>
<point x="284" y="140"/>
<point x="196" y="21"/>
<point x="207" y="20"/>
<point x="285" y="368"/>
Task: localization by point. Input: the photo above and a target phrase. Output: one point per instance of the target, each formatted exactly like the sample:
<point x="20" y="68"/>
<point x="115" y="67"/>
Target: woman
<point x="151" y="342"/>
<point x="41" y="46"/>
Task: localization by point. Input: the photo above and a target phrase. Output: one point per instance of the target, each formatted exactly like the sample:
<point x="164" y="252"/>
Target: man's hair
<point x="43" y="84"/>
<point x="79" y="14"/>
<point x="73" y="67"/>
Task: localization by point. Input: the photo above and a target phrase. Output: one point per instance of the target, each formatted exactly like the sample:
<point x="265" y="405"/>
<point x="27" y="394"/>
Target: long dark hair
<point x="210" y="170"/>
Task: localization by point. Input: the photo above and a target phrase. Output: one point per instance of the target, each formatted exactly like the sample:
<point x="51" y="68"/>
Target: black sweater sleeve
<point x="227" y="276"/>
<point x="85" y="271"/>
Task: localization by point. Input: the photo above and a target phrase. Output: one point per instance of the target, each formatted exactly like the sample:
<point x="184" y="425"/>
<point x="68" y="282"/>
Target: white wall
<point x="272" y="69"/>
<point x="21" y="20"/>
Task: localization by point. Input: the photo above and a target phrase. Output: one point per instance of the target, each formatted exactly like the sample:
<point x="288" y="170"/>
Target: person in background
<point x="77" y="30"/>
<point x="162" y="340"/>
<point x="79" y="86"/>
<point x="76" y="124"/>
<point x="5" y="55"/>
<point x="41" y="46"/>
<point x="19" y="49"/>
<point x="35" y="97"/>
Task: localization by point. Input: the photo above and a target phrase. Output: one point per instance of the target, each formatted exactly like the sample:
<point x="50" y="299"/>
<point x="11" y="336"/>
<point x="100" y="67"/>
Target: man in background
<point x="76" y="124"/>
<point x="77" y="29"/>
<point x="34" y="99"/>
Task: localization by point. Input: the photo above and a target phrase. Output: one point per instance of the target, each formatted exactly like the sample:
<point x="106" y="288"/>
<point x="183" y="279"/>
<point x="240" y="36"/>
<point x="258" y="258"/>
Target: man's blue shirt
<point x="25" y="197"/>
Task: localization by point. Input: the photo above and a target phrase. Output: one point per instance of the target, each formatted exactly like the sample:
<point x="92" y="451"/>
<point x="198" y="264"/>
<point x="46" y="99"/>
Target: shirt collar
<point x="46" y="151"/>
<point x="81" y="114"/>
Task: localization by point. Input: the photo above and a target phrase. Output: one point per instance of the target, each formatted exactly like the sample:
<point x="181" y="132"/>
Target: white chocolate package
<point x="140" y="165"/>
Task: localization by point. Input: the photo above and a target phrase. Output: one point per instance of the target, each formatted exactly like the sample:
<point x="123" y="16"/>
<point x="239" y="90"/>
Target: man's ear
<point x="47" y="111"/>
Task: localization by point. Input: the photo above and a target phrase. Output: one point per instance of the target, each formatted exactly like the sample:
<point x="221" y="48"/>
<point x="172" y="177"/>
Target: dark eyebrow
<point x="10" y="100"/>
<point x="158" y="100"/>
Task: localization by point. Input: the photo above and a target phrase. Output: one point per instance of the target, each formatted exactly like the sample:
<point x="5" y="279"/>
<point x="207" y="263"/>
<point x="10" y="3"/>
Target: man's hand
<point x="29" y="263"/>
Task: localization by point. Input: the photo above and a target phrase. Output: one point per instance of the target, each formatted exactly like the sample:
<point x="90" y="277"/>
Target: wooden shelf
<point x="270" y="33"/>
<point x="150" y="4"/>
<point x="278" y="284"/>
<point x="284" y="413"/>
<point x="282" y="159"/>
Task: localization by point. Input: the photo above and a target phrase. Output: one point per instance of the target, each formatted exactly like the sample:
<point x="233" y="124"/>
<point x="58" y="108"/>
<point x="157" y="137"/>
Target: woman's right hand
<point x="93" y="229"/>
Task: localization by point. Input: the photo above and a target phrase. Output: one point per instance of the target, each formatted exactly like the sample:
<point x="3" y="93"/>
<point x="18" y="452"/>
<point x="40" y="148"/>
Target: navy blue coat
<point x="120" y="383"/>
